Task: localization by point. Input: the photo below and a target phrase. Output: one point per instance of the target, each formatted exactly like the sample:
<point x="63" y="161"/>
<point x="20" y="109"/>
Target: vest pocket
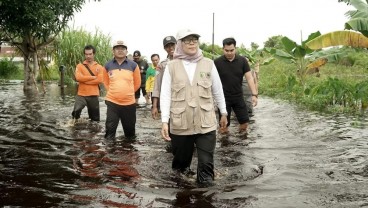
<point x="178" y="92"/>
<point x="208" y="117"/>
<point x="205" y="89"/>
<point x="178" y="118"/>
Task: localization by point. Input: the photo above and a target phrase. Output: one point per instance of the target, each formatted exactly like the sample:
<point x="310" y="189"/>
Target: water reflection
<point x="103" y="165"/>
<point x="289" y="158"/>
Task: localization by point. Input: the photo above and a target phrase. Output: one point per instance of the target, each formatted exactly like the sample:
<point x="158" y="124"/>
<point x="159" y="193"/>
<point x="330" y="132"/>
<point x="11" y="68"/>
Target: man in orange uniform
<point x="122" y="79"/>
<point x="88" y="74"/>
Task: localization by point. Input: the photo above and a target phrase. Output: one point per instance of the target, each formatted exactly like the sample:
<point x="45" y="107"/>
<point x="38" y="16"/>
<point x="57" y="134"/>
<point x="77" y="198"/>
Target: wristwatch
<point x="255" y="95"/>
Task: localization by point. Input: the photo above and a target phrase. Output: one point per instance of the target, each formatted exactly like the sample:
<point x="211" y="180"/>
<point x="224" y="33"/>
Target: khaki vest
<point x="192" y="108"/>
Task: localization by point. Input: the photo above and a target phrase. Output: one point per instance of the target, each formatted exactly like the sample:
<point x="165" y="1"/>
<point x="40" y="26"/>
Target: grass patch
<point x="337" y="89"/>
<point x="10" y="69"/>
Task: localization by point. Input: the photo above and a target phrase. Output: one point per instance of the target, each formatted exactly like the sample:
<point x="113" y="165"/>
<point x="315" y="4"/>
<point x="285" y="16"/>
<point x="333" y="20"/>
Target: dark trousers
<point x="124" y="113"/>
<point x="237" y="104"/>
<point x="93" y="107"/>
<point x="137" y="93"/>
<point x="183" y="148"/>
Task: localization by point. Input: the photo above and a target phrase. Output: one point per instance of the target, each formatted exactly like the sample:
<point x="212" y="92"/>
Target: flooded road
<point x="290" y="158"/>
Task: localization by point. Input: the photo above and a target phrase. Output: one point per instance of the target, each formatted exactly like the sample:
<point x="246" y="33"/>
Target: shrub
<point x="8" y="69"/>
<point x="69" y="48"/>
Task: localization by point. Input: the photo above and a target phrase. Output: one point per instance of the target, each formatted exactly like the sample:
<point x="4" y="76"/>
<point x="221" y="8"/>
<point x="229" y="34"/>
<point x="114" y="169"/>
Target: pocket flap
<point x="205" y="84"/>
<point x="177" y="110"/>
<point x="207" y="107"/>
<point x="177" y="87"/>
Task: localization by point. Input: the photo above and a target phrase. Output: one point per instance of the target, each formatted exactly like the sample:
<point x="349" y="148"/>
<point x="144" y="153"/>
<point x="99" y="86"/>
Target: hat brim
<point x="193" y="34"/>
<point x="120" y="45"/>
<point x="170" y="42"/>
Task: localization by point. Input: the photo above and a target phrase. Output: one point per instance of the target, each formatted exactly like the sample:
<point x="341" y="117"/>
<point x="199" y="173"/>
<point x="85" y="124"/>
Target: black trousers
<point x="137" y="93"/>
<point x="237" y="104"/>
<point x="93" y="107"/>
<point x="124" y="113"/>
<point x="183" y="148"/>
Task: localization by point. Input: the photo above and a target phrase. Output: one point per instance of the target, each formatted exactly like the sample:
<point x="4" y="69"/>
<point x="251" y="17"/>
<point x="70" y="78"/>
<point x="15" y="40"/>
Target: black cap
<point x="169" y="39"/>
<point x="137" y="53"/>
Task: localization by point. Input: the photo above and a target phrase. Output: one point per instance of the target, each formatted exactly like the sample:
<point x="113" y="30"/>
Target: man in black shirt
<point x="143" y="66"/>
<point x="232" y="68"/>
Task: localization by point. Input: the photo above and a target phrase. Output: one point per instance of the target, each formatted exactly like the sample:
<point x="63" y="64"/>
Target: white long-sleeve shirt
<point x="165" y="95"/>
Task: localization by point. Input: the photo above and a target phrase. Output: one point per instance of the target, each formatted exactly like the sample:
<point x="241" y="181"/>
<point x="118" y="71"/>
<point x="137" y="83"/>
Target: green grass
<point x="338" y="89"/>
<point x="10" y="69"/>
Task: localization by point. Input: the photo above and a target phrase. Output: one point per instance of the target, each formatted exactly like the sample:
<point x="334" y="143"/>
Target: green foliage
<point x="8" y="69"/>
<point x="359" y="17"/>
<point x="274" y="42"/>
<point x="304" y="58"/>
<point x="48" y="72"/>
<point x="274" y="78"/>
<point x="332" y="55"/>
<point x="31" y="26"/>
<point x="69" y="47"/>
<point x="40" y="19"/>
<point x="359" y="58"/>
<point x="338" y="89"/>
<point x="254" y="56"/>
<point x="254" y="46"/>
<point x="209" y="51"/>
<point x="334" y="91"/>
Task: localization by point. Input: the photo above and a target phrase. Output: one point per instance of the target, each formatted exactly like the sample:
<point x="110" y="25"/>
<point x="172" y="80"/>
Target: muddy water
<point x="290" y="158"/>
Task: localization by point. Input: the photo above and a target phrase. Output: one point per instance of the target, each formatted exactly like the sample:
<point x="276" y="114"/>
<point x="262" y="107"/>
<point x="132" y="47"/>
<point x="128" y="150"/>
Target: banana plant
<point x="355" y="36"/>
<point x="304" y="58"/>
<point x="339" y="38"/>
<point x="356" y="33"/>
<point x="255" y="57"/>
<point x="358" y="18"/>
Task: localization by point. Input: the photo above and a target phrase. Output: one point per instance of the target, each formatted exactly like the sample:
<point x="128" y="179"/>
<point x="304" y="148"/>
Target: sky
<point x="143" y="24"/>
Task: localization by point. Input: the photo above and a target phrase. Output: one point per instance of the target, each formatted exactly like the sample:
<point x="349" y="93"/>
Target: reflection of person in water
<point x="113" y="162"/>
<point x="121" y="167"/>
<point x="96" y="161"/>
<point x="89" y="155"/>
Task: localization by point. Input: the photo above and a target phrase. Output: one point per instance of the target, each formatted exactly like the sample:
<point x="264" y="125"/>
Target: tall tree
<point x="274" y="42"/>
<point x="31" y="26"/>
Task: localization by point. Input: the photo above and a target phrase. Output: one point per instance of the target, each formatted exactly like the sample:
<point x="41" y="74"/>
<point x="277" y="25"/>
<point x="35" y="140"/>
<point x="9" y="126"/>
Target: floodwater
<point x="289" y="158"/>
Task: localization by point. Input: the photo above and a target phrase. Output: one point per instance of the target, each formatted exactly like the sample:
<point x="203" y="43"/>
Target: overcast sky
<point x="144" y="24"/>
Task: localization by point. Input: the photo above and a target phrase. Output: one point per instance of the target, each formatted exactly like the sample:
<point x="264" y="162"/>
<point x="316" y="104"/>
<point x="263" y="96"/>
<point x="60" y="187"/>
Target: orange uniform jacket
<point x="121" y="81"/>
<point x="88" y="84"/>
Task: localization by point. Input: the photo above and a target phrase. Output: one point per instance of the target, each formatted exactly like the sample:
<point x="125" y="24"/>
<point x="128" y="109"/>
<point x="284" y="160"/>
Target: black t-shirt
<point x="143" y="65"/>
<point x="231" y="74"/>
